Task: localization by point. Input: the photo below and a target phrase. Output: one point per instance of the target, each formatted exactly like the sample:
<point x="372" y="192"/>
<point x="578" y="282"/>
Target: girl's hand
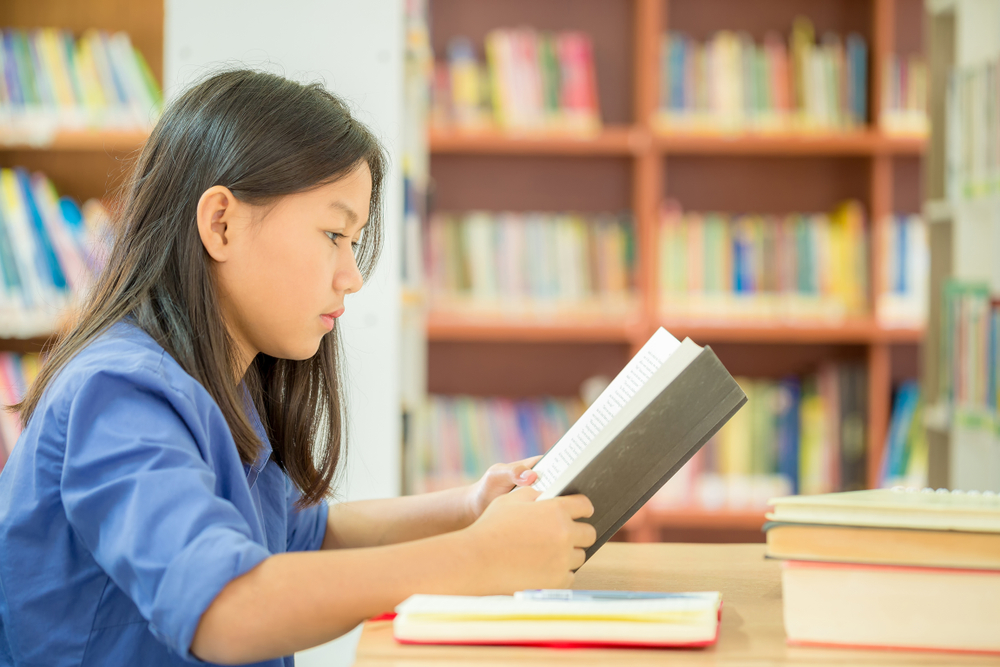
<point x="498" y="481"/>
<point x="523" y="544"/>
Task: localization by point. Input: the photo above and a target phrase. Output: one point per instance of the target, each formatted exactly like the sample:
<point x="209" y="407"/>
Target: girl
<point x="165" y="502"/>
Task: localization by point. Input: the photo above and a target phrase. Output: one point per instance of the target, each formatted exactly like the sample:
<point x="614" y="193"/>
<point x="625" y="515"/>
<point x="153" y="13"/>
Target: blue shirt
<point x="125" y="510"/>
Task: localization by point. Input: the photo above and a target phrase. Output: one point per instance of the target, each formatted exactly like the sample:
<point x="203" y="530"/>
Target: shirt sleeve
<point x="141" y="497"/>
<point x="307" y="526"/>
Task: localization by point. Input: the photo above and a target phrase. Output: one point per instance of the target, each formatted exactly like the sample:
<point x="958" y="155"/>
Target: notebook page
<point x="636" y="373"/>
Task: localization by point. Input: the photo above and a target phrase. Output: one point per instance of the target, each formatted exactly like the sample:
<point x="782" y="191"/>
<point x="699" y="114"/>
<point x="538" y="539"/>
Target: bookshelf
<point x="964" y="39"/>
<point x="85" y="164"/>
<point x="632" y="164"/>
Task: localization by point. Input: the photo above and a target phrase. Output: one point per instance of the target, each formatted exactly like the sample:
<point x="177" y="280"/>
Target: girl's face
<point x="283" y="271"/>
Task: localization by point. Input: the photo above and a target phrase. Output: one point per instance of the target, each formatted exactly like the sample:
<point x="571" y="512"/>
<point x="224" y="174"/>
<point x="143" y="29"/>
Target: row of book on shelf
<point x="49" y="249"/>
<point x="732" y="83"/>
<point x="531" y="80"/>
<point x="509" y="260"/>
<point x="710" y="266"/>
<point x="16" y="372"/>
<point x="796" y="435"/>
<point x="798" y="266"/>
<point x="969" y="376"/>
<point x="50" y="81"/>
<point x="972" y="131"/>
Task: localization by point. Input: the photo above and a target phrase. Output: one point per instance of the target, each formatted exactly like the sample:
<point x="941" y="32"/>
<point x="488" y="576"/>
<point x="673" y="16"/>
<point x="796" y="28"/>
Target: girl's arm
<point x="294" y="601"/>
<point x="369" y="523"/>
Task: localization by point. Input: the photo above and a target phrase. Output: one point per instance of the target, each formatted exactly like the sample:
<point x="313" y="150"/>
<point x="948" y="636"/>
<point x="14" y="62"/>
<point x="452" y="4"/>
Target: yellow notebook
<point x="583" y="618"/>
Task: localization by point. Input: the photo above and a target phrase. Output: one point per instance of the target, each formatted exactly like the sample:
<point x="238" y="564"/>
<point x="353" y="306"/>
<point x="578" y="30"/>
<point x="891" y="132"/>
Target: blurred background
<point x="810" y="187"/>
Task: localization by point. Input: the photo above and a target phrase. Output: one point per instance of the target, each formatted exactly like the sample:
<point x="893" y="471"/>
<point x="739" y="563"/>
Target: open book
<point x="660" y="409"/>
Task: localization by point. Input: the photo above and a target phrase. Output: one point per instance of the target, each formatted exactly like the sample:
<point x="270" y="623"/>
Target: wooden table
<point x="752" y="632"/>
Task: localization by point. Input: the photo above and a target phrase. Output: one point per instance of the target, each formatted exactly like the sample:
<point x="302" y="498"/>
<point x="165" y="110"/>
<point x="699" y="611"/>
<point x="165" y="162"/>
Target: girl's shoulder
<point x="125" y="355"/>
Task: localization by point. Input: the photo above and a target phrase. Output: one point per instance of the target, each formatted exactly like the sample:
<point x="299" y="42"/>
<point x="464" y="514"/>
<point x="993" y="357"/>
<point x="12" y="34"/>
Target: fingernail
<point x="524" y="475"/>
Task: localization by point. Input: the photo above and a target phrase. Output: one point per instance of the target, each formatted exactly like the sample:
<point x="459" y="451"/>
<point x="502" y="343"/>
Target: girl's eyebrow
<point x="352" y="217"/>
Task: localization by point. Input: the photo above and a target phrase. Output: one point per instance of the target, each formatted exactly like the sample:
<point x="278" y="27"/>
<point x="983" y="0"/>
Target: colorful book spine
<point x="465" y="435"/>
<point x="512" y="261"/>
<point x="905" y="266"/>
<point x="49" y="251"/>
<point x="530" y="81"/>
<point x="17" y="371"/>
<point x="51" y="81"/>
<point x="729" y="83"/>
<point x="968" y="349"/>
<point x="904" y="454"/>
<point x="905" y="88"/>
<point x="715" y="266"/>
<point x="796" y="435"/>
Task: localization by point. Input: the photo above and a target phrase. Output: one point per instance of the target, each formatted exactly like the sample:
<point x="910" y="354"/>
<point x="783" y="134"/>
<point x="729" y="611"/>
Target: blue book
<point x="46" y="260"/>
<point x="677" y="61"/>
<point x="901" y="255"/>
<point x="790" y="400"/>
<point x="857" y="58"/>
<point x="8" y="263"/>
<point x="894" y="453"/>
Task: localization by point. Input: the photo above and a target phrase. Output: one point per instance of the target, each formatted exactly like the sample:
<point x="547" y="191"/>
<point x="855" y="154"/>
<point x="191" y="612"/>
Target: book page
<point x="630" y="380"/>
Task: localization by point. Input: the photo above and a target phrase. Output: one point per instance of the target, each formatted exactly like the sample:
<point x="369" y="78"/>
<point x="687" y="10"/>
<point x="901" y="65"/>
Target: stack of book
<point x="897" y="569"/>
<point x="51" y="82"/>
<point x="49" y="249"/>
<point x="540" y="263"/>
<point x="17" y="371"/>
<point x="717" y="266"/>
<point x="532" y="80"/>
<point x="732" y="84"/>
<point x="904" y="96"/>
<point x="905" y="454"/>
<point x="466" y="435"/>
<point x="972" y="131"/>
<point x="793" y="436"/>
<point x="905" y="269"/>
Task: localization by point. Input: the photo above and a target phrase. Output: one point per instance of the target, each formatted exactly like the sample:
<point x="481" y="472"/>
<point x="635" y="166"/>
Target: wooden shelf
<point x="635" y="140"/>
<point x="609" y="141"/>
<point x="725" y="519"/>
<point x="858" y="332"/>
<point x="448" y="327"/>
<point x="79" y="140"/>
<point x="864" y="142"/>
<point x="455" y="327"/>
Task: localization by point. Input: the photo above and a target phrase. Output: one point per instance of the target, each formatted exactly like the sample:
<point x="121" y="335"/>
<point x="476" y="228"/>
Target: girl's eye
<point x="334" y="236"/>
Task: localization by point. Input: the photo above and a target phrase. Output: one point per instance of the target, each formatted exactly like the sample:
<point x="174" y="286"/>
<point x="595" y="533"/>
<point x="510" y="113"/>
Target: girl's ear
<point x="217" y="211"/>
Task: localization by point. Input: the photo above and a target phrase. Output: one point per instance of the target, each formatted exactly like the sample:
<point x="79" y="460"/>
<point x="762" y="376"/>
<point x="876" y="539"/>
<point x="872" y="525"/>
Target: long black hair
<point x="261" y="136"/>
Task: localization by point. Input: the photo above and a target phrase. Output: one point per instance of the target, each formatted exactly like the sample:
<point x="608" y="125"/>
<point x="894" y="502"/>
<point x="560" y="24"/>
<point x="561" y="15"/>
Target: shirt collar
<point x="265" y="450"/>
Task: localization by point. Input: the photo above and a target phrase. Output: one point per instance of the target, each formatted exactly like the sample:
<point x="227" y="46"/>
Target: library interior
<point x="808" y="189"/>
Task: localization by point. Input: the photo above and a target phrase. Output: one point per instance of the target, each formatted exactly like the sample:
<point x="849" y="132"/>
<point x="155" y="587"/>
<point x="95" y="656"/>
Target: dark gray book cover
<point x="657" y="443"/>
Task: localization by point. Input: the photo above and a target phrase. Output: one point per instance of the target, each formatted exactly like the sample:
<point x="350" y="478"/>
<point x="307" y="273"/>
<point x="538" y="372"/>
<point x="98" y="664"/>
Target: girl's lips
<point x="328" y="318"/>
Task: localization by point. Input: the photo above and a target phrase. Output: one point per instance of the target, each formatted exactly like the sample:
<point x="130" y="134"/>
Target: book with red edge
<point x="679" y="620"/>
<point x="891" y="607"/>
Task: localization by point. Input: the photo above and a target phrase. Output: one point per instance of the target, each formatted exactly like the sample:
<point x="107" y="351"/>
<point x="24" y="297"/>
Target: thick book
<point x="878" y="606"/>
<point x="660" y="409"/>
<point x="668" y="620"/>
<point x="883" y="546"/>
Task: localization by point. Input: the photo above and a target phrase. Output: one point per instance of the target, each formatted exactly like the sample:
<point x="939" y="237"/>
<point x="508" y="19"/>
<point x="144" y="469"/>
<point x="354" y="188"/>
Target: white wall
<point x="356" y="49"/>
